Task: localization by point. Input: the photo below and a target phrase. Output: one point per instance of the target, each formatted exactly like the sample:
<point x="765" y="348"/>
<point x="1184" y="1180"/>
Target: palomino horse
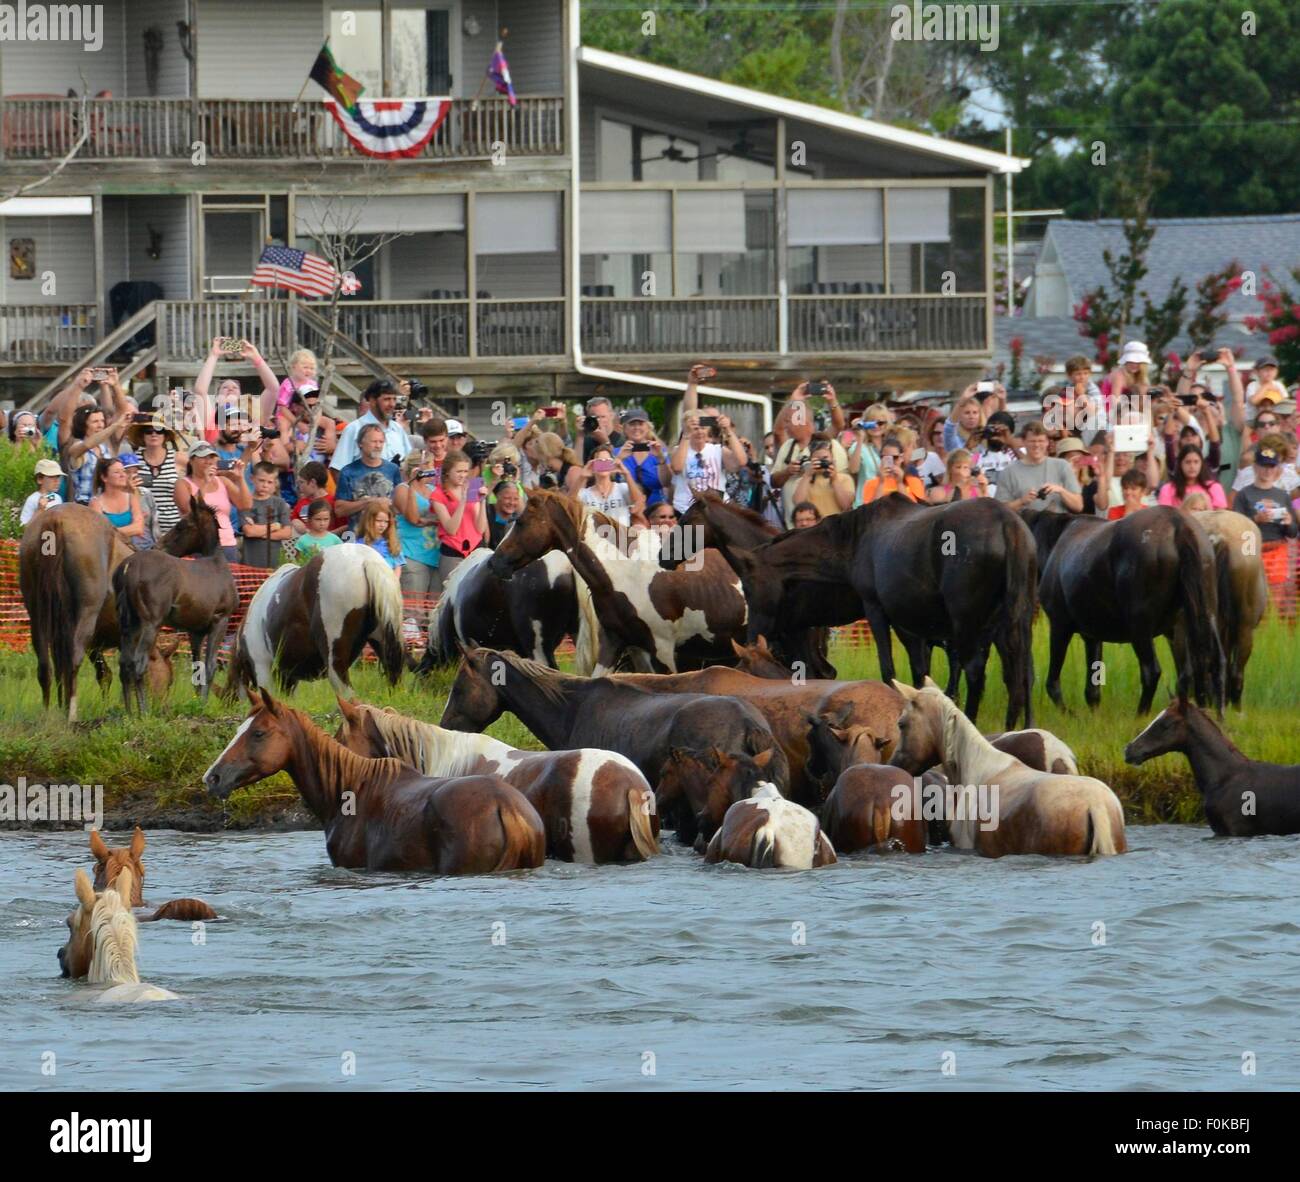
<point x="1242" y="798"/>
<point x="696" y="788"/>
<point x="110" y="862"/>
<point x="380" y="814"/>
<point x="768" y="830"/>
<point x="102" y="939"/>
<point x="564" y="712"/>
<point x="197" y="596"/>
<point x="595" y="805"/>
<point x="1032" y="812"/>
<point x="859" y="812"/>
<point x="644" y="610"/>
<point x="529" y="614"/>
<point x="314" y="621"/>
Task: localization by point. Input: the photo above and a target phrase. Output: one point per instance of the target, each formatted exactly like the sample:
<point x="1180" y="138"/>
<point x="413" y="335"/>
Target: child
<point x="1264" y="502"/>
<point x="378" y="530"/>
<point x="1133" y="488"/>
<point x="266" y="524"/>
<point x="313" y="486"/>
<point x="48" y="477"/>
<point x="320" y="514"/>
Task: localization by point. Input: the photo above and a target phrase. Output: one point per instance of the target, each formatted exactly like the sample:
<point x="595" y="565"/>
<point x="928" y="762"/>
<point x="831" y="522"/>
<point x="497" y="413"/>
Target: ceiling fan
<point x="740" y="147"/>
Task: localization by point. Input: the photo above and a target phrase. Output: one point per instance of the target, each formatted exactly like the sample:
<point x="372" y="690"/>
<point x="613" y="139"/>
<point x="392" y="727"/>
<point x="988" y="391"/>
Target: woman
<point x="965" y="426"/>
<point x="1131" y="377"/>
<point x="92" y="441"/>
<point x="962" y="482"/>
<point x="703" y="456"/>
<point x="377" y="530"/>
<point x="417" y="531"/>
<point x="210" y="417"/>
<point x="555" y="464"/>
<point x="643" y="456"/>
<point x="1189" y="475"/>
<point x="461" y="513"/>
<point x="220" y="488"/>
<point x="24" y="430"/>
<point x="503" y="464"/>
<point x="162" y="459"/>
<point x="893" y="477"/>
<point x="115" y="500"/>
<point x="618" y="500"/>
<point x="864" y="452"/>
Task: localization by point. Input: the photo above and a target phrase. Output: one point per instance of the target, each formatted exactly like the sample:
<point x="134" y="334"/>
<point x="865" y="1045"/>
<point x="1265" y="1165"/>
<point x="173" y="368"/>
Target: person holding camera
<point x="894" y="476"/>
<point x="224" y="489"/>
<point x="417" y="531"/>
<point x="706" y="451"/>
<point x="599" y="427"/>
<point x="795" y="427"/>
<point x="616" y="499"/>
<point x="1265" y="502"/>
<point x="503" y="464"/>
<point x="461" y="509"/>
<point x="821" y="485"/>
<point x="644" y="458"/>
<point x="24" y="431"/>
<point x="1039" y="479"/>
<point x="964" y="426"/>
<point x="48" y="478"/>
<point x="965" y="481"/>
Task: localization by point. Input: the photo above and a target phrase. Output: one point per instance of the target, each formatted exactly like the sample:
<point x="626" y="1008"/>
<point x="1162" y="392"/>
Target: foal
<point x="768" y="830"/>
<point x="109" y="864"/>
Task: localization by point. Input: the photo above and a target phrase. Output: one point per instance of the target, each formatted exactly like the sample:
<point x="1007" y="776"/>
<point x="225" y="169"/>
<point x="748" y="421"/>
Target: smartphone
<point x="519" y="422"/>
<point x="985" y="387"/>
<point x="709" y="421"/>
<point x="1209" y="354"/>
<point x="552" y="412"/>
<point x="320" y="432"/>
<point x="816" y="389"/>
<point x="101" y="373"/>
<point x="225" y="465"/>
<point x="707" y="372"/>
<point x="142" y="416"/>
<point x="603" y="465"/>
<point x="475" y="489"/>
<point x="230" y="345"/>
<point x="640" y="447"/>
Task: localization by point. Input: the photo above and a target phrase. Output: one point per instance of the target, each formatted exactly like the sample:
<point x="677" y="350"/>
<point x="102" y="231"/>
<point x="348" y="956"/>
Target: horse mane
<point x="431" y="750"/>
<point x="339" y="767"/>
<point x="711" y="497"/>
<point x="548" y="682"/>
<point x="573" y="509"/>
<point x="1192" y="711"/>
<point x="114" y="936"/>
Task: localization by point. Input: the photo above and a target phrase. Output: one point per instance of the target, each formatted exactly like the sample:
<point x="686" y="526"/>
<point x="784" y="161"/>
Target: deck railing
<point x="40" y="333"/>
<point x="887" y="323"/>
<point x="711" y="325"/>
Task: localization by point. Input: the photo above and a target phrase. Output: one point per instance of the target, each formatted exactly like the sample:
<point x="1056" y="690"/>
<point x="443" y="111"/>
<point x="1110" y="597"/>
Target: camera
<point x="816" y="389"/>
<point x="478" y="450"/>
<point x="709" y="422"/>
<point x="824" y="465"/>
<point x="590" y="423"/>
<point x="547" y="480"/>
<point x="1209" y="354"/>
<point x="640" y="447"/>
<point x="755" y="467"/>
<point x="1187" y="399"/>
<point x="269" y="433"/>
<point x="509" y="470"/>
<point x="985" y="387"/>
<point x="417" y="388"/>
<point x="1041" y="494"/>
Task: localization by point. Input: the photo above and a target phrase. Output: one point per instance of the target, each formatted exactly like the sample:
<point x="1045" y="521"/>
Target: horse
<point x="1129" y="581"/>
<point x="564" y="711"/>
<point x="110" y="862"/>
<point x="643" y="610"/>
<point x="1032" y="812"/>
<point x="860" y="814"/>
<point x="530" y="613"/>
<point x="768" y="830"/>
<point x="102" y="941"/>
<point x="310" y="621"/>
<point x="962" y="575"/>
<point x="595" y="805"/>
<point x="1242" y="797"/>
<point x="1242" y="594"/>
<point x="197" y="596"/>
<point x="697" y="788"/>
<point x="835" y="743"/>
<point x="758" y="660"/>
<point x="380" y="814"/>
<point x="66" y="560"/>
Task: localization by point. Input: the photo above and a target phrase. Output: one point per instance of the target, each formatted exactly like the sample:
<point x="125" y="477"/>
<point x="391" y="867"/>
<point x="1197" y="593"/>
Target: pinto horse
<point x="1242" y="797"/>
<point x="595" y="805"/>
<point x="768" y="830"/>
<point x="1034" y="812"/>
<point x="197" y="596"/>
<point x="313" y="621"/>
<point x="1129" y="581"/>
<point x="697" y="788"/>
<point x="644" y="610"/>
<point x="110" y="862"/>
<point x="380" y="814"/>
<point x="961" y="575"/>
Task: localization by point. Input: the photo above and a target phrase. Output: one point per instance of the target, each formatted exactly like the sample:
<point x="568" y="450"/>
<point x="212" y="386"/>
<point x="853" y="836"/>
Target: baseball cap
<point x="634" y="414"/>
<point x="456" y="427"/>
<point x="1266" y="457"/>
<point x="129" y="460"/>
<point x="200" y="450"/>
<point x="1002" y="418"/>
<point x="1263" y="361"/>
<point x="49" y="468"/>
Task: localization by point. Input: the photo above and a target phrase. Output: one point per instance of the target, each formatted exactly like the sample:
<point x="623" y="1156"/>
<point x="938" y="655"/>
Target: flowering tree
<point x="1281" y="320"/>
<point x="1212" y="292"/>
<point x="1017" y="348"/>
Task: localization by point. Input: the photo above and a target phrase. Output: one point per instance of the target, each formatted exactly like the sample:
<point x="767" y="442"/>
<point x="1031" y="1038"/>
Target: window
<point x="420" y="44"/>
<point x="626" y="243"/>
<point x="836" y="241"/>
<point x="726" y="243"/>
<point x="518" y="240"/>
<point x="936" y="235"/>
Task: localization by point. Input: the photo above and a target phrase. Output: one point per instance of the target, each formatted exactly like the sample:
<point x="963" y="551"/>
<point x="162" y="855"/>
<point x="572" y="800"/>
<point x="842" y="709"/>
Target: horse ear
<point x="763" y="646"/>
<point x="763" y="758"/>
<point x="97" y="846"/>
<point x="270" y="703"/>
<point x="348" y="710"/>
<point x="137" y="843"/>
<point x="85" y="892"/>
<point x="254" y="700"/>
<point x="909" y="694"/>
<point x="929" y="683"/>
<point x="737" y="648"/>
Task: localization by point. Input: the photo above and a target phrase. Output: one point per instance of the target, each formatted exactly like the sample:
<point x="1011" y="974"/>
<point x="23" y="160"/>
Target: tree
<point x="82" y="122"/>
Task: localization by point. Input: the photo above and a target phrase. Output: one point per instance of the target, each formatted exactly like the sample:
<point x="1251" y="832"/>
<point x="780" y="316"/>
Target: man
<point x="457" y="436"/>
<point x="504" y="512"/>
<point x="796" y="420"/>
<point x="606" y="428"/>
<point x="371" y="478"/>
<point x="703" y="455"/>
<point x="1265" y="503"/>
<point x="380" y="398"/>
<point x="1038" y="478"/>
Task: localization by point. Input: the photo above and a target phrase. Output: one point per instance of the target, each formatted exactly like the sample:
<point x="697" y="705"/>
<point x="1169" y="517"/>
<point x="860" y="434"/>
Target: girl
<point x="618" y="501"/>
<point x="962" y="483"/>
<point x="115" y="500"/>
<point x="1189" y="475"/>
<point x="221" y="489"/>
<point x="556" y="465"/>
<point x="377" y="530"/>
<point x="892" y="476"/>
<point x="417" y="530"/>
<point x="461" y="512"/>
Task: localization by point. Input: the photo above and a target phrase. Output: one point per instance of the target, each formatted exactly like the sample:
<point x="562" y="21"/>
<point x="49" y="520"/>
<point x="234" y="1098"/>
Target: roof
<point x="882" y="133"/>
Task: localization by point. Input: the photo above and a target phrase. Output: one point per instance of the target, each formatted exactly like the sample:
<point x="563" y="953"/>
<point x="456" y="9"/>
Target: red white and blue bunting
<point x="389" y="128"/>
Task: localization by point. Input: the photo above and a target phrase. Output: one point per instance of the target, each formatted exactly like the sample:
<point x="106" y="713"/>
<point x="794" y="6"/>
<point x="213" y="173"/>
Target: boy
<point x="1133" y="487"/>
<point x="266" y="524"/>
<point x="313" y="483"/>
<point x="48" y="477"/>
<point x="320" y="515"/>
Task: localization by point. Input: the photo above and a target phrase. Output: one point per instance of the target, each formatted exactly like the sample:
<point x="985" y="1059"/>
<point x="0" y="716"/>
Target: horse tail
<point x="441" y="646"/>
<point x="186" y="910"/>
<point x="523" y="846"/>
<point x="1021" y="601"/>
<point x="131" y="658"/>
<point x="587" y="642"/>
<point x="640" y="808"/>
<point x="1196" y="596"/>
<point x="52" y="608"/>
<point x="1101" y="838"/>
<point x="386" y="615"/>
<point x="762" y="848"/>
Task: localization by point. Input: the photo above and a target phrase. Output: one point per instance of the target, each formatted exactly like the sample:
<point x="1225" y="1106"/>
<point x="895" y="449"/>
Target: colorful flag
<point x="389" y="128"/>
<point x="295" y="270"/>
<point x="499" y="72"/>
<point x="326" y="73"/>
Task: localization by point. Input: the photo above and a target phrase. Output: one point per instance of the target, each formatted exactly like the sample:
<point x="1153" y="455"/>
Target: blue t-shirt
<point x="646" y="474"/>
<point x="380" y="547"/>
<point x="357" y="481"/>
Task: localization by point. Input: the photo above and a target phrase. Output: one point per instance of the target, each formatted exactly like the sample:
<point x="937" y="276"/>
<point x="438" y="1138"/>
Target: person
<point x="92" y="440"/>
<point x="303" y="367"/>
<point x="457" y="435"/>
<point x="417" y="530"/>
<point x="805" y="515"/>
<point x="1133" y="491"/>
<point x="1191" y="475"/>
<point x="1131" y="378"/>
<point x="1269" y="507"/>
<point x="1039" y="477"/>
<point x="998" y="447"/>
<point x="318" y="535"/>
<point x="369" y="478"/>
<point x="48" y="478"/>
<point x="964" y="427"/>
<point x="642" y="454"/>
<point x="461" y="512"/>
<point x="1288" y="479"/>
<point x="795" y="426"/>
<point x="23" y="430"/>
<point x="1196" y="502"/>
<point x="313" y="486"/>
<point x="210" y="416"/>
<point x="433" y="432"/>
<point x="1094" y="495"/>
<point x="506" y="507"/>
<point x="894" y="477"/>
<point x="555" y="463"/>
<point x="223" y="489"/>
<point x="503" y="464"/>
<point x="1081" y="397"/>
<point x="864" y="452"/>
<point x="662" y="518"/>
<point x="377" y="529"/>
<point x="750" y="487"/>
<point x="115" y="500"/>
<point x="821" y="485"/>
<point x="600" y="427"/>
<point x="380" y="398"/>
<point x="162" y="457"/>
<point x="963" y="482"/>
<point x="266" y="524"/>
<point x="148" y="537"/>
<point x="707" y="449"/>
<point x="618" y="500"/>
<point x="1265" y="388"/>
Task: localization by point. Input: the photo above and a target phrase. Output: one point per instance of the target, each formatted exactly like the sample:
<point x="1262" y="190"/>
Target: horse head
<point x="109" y="863"/>
<point x="1170" y="730"/>
<point x="834" y="744"/>
<point x="712" y="781"/>
<point x="262" y="746"/>
<point x="922" y="728"/>
<point x="549" y="522"/>
<point x="359" y="732"/>
<point x="758" y="660"/>
<point x="198" y="532"/>
<point x="92" y="922"/>
<point x="474" y="701"/>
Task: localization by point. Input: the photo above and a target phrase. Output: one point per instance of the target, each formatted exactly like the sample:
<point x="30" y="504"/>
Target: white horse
<point x="768" y="830"/>
<point x="1032" y="812"/>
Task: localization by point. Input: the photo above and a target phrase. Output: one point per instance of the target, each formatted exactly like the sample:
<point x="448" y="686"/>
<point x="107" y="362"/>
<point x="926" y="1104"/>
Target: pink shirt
<point x="1214" y="490"/>
<point x="220" y="501"/>
<point x="467" y="537"/>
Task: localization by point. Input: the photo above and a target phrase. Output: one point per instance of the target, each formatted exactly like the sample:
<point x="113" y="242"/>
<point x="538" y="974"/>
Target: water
<point x="905" y="959"/>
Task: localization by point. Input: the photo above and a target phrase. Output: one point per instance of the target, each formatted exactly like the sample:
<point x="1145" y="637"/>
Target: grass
<point x="152" y="767"/>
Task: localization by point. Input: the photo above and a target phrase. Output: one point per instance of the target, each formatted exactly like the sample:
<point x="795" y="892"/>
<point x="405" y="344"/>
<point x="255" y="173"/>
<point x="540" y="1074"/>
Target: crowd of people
<point x="288" y="477"/>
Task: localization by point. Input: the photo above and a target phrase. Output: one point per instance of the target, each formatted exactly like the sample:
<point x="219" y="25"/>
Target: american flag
<point x="307" y="274"/>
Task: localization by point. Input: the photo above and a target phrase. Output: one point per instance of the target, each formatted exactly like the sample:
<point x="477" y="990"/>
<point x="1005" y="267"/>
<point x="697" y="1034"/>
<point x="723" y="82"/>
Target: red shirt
<point x="299" y="511"/>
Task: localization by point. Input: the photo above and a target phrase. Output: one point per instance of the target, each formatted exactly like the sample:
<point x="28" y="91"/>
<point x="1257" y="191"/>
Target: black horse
<point x="960" y="575"/>
<point x="1129" y="581"/>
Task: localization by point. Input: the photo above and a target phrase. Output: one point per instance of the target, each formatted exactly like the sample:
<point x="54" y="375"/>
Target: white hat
<point x="456" y="427"/>
<point x="1135" y="351"/>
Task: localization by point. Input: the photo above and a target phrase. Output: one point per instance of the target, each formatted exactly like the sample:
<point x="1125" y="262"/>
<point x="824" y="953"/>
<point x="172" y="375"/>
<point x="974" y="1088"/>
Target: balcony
<point x="42" y="334"/>
<point x="888" y="323"/>
<point x="151" y="129"/>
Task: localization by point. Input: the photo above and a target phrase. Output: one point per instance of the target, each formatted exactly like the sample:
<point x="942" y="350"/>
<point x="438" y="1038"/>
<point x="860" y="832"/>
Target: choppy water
<point x="905" y="959"/>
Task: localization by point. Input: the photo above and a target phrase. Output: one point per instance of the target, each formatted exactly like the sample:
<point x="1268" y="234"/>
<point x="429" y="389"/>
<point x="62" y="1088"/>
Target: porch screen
<point x="918" y="215"/>
<point x="379" y="215"/>
<point x="711" y="221"/>
<point x="517" y="223"/>
<point x="626" y="223"/>
<point x="834" y="217"/>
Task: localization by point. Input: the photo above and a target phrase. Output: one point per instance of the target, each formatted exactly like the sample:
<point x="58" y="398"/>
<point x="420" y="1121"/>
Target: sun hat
<point x="136" y="431"/>
<point x="49" y="468"/>
<point x="1070" y="443"/>
<point x="1135" y="351"/>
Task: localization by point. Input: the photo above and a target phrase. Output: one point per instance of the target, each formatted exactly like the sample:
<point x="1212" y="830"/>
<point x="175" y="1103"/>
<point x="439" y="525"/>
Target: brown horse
<point x="698" y="787"/>
<point x="197" y="596"/>
<point x="110" y="862"/>
<point x="380" y="814"/>
<point x="768" y="830"/>
<point x="596" y="805"/>
<point x="860" y="812"/>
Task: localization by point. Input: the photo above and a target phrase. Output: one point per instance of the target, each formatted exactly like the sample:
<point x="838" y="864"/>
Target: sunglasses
<point x="152" y="431"/>
<point x="1266" y="422"/>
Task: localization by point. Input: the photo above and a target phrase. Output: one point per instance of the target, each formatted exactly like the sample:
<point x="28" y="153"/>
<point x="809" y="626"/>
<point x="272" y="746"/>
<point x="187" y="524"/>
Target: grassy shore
<point x="151" y="768"/>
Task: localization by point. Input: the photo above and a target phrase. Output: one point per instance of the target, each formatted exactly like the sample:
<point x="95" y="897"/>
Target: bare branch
<point x="80" y="143"/>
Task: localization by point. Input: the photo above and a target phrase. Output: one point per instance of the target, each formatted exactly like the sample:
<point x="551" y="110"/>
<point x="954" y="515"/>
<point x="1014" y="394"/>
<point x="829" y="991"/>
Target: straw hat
<point x="135" y="434"/>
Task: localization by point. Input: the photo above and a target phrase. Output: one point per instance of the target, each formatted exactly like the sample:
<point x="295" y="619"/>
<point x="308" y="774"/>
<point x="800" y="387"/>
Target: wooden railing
<point x="406" y="329"/>
<point x="887" y="323"/>
<point x="702" y="325"/>
<point x="260" y="129"/>
<point x="35" y="333"/>
<point x="186" y="327"/>
<point x="521" y="328"/>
